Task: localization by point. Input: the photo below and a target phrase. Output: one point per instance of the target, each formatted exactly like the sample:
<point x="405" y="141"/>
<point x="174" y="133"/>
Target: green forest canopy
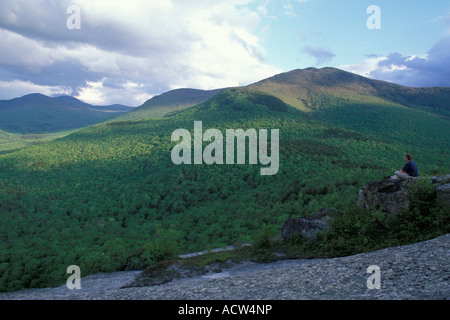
<point x="102" y="195"/>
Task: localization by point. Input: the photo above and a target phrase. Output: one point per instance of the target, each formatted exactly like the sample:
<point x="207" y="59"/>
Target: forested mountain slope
<point x="312" y="89"/>
<point x="168" y="102"/>
<point x="37" y="113"/>
<point x="109" y="196"/>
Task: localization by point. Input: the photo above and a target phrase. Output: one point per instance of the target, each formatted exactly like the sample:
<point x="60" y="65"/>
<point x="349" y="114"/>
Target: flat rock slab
<point x="415" y="272"/>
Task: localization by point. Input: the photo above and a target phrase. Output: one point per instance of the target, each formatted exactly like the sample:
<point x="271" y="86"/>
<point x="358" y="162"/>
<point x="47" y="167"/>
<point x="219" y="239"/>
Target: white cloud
<point x="17" y="88"/>
<point x="370" y="65"/>
<point x="289" y="10"/>
<point x="159" y="45"/>
<point x="97" y="93"/>
<point x="443" y="20"/>
<point x="419" y="70"/>
<point x="363" y="68"/>
<point x="18" y="50"/>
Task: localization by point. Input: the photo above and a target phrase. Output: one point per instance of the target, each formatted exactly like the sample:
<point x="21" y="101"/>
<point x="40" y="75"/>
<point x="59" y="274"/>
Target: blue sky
<point x="340" y="27"/>
<point x="128" y="51"/>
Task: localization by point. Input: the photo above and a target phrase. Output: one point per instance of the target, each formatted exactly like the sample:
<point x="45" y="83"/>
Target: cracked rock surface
<point x="415" y="272"/>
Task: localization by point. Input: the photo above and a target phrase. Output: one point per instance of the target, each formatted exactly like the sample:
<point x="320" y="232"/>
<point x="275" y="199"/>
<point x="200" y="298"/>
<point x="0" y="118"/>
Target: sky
<point x="108" y="51"/>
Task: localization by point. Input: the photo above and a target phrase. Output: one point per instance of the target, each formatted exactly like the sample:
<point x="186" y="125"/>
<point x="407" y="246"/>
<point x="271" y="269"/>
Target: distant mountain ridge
<point x="37" y="113"/>
<point x="350" y="101"/>
<point x="112" y="108"/>
<point x="309" y="89"/>
<point x="302" y="88"/>
<point x="327" y="93"/>
<point x="171" y="101"/>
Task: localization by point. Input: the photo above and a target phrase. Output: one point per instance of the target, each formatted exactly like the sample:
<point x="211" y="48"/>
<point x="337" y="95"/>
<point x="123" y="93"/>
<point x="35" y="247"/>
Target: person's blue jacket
<point x="411" y="169"/>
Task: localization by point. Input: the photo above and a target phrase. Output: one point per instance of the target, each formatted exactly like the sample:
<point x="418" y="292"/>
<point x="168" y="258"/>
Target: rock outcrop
<point x="309" y="227"/>
<point x="443" y="188"/>
<point x="387" y="195"/>
<point x="390" y="195"/>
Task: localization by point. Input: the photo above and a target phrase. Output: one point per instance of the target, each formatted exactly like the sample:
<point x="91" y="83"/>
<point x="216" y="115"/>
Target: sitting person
<point x="409" y="170"/>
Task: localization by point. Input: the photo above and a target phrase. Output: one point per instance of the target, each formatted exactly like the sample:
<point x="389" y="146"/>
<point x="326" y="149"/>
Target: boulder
<point x="440" y="180"/>
<point x="309" y="227"/>
<point x="391" y="195"/>
<point x="388" y="195"/>
<point x="443" y="193"/>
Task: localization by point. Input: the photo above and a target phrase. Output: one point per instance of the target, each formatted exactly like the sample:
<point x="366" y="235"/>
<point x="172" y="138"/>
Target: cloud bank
<point x="425" y="70"/>
<point x="127" y="51"/>
<point x="430" y="69"/>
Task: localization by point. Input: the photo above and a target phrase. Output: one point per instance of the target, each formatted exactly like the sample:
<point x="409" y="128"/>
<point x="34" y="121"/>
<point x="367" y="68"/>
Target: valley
<point x="108" y="196"/>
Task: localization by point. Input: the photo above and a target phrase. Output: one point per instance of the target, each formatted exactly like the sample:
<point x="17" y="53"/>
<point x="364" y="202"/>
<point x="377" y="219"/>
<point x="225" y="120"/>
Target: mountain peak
<point x="327" y="76"/>
<point x="38" y="113"/>
<point x="34" y="96"/>
<point x="311" y="88"/>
